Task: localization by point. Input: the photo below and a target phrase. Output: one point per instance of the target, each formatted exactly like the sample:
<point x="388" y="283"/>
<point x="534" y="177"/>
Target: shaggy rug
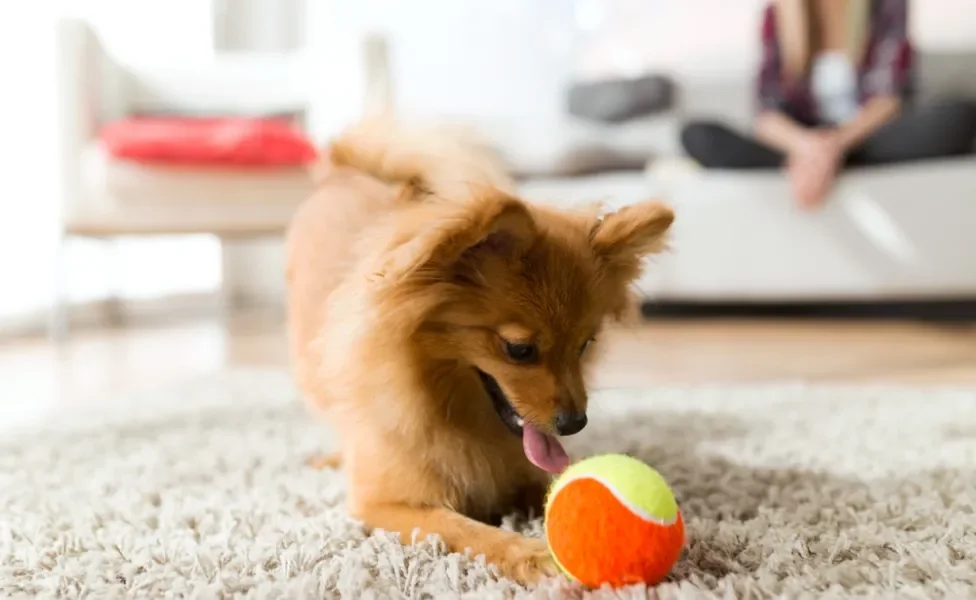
<point x="201" y="491"/>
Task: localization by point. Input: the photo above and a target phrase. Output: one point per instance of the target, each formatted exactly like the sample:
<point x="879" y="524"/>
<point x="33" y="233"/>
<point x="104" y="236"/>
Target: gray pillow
<point x="618" y="100"/>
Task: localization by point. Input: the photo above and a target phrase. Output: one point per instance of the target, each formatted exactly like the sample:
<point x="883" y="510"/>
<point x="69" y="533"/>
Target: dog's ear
<point x="502" y="225"/>
<point x="451" y="232"/>
<point x="622" y="239"/>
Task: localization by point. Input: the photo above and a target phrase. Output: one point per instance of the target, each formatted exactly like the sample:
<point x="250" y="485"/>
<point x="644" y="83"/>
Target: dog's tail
<point x="444" y="161"/>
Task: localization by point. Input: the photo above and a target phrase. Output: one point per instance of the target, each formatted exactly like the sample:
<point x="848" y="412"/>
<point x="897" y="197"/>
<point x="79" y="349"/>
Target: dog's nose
<point x="569" y="422"/>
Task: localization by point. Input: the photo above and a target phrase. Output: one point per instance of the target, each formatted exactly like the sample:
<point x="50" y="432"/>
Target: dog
<point x="443" y="326"/>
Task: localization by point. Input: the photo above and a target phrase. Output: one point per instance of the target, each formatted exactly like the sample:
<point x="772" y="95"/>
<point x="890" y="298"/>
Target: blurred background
<point x="136" y="249"/>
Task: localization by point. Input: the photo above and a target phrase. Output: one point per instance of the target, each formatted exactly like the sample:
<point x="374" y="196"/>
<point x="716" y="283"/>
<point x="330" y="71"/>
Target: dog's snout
<point x="568" y="422"/>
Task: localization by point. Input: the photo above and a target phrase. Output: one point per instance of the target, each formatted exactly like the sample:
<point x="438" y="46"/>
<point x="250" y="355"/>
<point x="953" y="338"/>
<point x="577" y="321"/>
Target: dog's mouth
<point x="543" y="450"/>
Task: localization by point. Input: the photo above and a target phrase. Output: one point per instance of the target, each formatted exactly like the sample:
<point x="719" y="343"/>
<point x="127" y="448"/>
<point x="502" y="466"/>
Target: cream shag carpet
<point x="201" y="491"/>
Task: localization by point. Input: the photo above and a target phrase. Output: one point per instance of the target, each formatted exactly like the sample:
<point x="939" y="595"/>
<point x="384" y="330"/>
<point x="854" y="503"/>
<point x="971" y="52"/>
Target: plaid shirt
<point x="887" y="68"/>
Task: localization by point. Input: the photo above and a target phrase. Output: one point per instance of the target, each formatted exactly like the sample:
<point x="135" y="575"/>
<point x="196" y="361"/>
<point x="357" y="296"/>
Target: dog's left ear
<point x="622" y="239"/>
<point x="456" y="232"/>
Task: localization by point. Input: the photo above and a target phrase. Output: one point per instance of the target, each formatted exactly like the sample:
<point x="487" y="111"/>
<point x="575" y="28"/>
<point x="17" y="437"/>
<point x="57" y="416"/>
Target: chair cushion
<point x="239" y="141"/>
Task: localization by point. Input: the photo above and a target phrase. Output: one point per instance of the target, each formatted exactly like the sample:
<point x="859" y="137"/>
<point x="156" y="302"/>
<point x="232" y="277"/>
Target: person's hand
<point x="812" y="167"/>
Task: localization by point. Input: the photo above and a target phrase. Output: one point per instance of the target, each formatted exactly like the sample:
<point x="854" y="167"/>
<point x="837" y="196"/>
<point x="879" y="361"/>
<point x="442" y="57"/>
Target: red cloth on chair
<point x="233" y="141"/>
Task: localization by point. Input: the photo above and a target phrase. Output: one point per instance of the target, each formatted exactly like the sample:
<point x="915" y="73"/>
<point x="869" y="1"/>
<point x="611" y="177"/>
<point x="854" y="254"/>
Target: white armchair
<point x="105" y="198"/>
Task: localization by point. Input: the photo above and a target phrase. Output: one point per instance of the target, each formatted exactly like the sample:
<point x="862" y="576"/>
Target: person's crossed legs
<point x="714" y="145"/>
<point x="936" y="131"/>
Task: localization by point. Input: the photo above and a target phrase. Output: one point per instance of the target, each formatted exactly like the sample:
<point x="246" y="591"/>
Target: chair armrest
<point x="92" y="90"/>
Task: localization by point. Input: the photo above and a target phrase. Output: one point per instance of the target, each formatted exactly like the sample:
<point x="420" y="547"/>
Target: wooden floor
<point x="96" y="366"/>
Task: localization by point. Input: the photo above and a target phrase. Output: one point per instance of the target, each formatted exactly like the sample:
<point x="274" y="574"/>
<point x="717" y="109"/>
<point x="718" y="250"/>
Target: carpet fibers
<point x="201" y="492"/>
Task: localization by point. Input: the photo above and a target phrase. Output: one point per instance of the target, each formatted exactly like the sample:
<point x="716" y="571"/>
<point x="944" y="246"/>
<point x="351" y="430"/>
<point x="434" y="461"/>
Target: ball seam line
<point x="640" y="512"/>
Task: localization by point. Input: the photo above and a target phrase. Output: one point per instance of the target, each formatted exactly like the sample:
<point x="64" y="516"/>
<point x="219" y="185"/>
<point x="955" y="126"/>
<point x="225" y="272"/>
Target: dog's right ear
<point x="493" y="223"/>
<point x="623" y="238"/>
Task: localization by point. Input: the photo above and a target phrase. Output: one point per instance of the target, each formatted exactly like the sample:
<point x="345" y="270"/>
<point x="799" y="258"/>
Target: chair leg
<point x="58" y="317"/>
<point x="228" y="300"/>
<point x="113" y="303"/>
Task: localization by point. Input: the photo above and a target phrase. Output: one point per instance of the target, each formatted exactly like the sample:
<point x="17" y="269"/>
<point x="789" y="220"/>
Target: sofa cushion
<point x="945" y="74"/>
<point x="895" y="231"/>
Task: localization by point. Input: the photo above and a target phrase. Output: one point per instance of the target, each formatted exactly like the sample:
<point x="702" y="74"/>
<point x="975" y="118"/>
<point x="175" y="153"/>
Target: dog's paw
<point x="325" y="461"/>
<point x="527" y="561"/>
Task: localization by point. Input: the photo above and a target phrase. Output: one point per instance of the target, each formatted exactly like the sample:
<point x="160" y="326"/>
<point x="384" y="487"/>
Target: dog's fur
<point x="408" y="269"/>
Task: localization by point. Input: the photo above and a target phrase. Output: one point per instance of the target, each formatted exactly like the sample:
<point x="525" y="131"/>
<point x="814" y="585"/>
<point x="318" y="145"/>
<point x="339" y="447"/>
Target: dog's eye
<point x="521" y="353"/>
<point x="585" y="345"/>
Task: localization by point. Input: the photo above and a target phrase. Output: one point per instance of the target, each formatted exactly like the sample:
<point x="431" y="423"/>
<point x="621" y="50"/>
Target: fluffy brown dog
<point x="442" y="325"/>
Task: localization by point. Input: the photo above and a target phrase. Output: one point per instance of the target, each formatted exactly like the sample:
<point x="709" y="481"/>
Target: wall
<point x="945" y="25"/>
<point x="628" y="36"/>
<point x="263" y="25"/>
<point x="511" y="59"/>
<point x="144" y="32"/>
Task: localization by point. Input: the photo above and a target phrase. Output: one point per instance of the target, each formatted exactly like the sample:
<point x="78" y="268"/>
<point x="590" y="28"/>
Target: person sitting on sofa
<point x="834" y="89"/>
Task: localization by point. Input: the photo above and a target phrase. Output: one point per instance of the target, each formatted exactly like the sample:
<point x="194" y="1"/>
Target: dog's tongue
<point x="544" y="451"/>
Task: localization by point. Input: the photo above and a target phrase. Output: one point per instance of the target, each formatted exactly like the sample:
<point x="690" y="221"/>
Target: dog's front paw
<point x="527" y="561"/>
<point x="325" y="461"/>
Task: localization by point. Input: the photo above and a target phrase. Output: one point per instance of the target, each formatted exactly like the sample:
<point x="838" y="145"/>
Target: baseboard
<point x="955" y="310"/>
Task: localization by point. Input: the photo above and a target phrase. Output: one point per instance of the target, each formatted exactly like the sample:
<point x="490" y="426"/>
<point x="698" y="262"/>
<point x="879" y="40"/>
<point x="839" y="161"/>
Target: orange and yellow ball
<point x="612" y="519"/>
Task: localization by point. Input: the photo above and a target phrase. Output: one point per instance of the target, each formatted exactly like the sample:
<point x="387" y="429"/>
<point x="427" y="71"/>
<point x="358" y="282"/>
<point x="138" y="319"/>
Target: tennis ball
<point x="613" y="519"/>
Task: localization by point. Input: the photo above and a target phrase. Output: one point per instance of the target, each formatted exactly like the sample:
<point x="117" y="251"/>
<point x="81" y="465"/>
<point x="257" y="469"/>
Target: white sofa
<point x="894" y="233"/>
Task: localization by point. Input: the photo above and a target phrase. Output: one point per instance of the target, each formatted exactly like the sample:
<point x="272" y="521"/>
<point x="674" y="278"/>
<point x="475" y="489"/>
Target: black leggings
<point x="946" y="129"/>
